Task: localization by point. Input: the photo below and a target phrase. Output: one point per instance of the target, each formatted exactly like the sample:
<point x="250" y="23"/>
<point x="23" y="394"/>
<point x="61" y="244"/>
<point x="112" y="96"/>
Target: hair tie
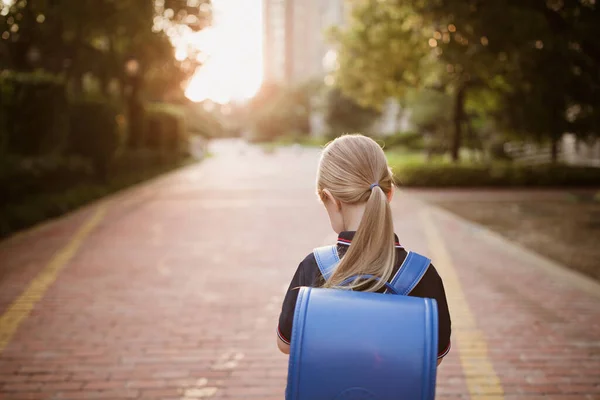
<point x="373" y="185"/>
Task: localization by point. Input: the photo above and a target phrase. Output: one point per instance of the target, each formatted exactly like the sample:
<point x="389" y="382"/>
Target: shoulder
<point x="430" y="285"/>
<point x="308" y="270"/>
<point x="308" y="261"/>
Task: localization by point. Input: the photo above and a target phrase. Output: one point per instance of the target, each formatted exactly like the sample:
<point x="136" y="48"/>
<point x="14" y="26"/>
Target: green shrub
<point x="42" y="206"/>
<point x="344" y="115"/>
<point x="136" y="160"/>
<point x="136" y="124"/>
<point x="283" y="112"/>
<point x="37" y="203"/>
<point x="407" y="140"/>
<point x="436" y="173"/>
<point x="204" y="123"/>
<point x="33" y="113"/>
<point x="272" y="122"/>
<point x="441" y="175"/>
<point x="166" y="129"/>
<point x="304" y="140"/>
<point x="23" y="177"/>
<point x="95" y="132"/>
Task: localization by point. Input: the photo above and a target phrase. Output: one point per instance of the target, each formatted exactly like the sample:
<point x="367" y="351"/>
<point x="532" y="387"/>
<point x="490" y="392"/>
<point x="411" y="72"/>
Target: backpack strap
<point x="410" y="273"/>
<point x="327" y="259"/>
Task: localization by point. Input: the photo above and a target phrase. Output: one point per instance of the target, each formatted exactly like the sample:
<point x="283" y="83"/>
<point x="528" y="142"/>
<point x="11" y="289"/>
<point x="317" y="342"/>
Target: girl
<point x="355" y="185"/>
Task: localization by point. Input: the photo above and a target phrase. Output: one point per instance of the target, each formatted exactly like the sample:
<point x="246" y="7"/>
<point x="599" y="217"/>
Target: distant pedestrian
<point x="355" y="185"/>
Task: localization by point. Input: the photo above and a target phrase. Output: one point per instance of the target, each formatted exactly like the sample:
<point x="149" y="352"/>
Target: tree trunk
<point x="135" y="109"/>
<point x="459" y="113"/>
<point x="76" y="72"/>
<point x="26" y="40"/>
<point x="109" y="68"/>
<point x="554" y="148"/>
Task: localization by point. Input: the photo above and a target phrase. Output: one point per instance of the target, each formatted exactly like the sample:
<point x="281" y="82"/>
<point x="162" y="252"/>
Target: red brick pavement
<point x="174" y="294"/>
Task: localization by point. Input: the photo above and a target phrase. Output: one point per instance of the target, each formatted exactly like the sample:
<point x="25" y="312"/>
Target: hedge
<point x="94" y="132"/>
<point x="408" y="140"/>
<point x="165" y="128"/>
<point x="33" y="203"/>
<point x="33" y="113"/>
<point x="442" y="174"/>
<point x="52" y="152"/>
<point x="22" y="177"/>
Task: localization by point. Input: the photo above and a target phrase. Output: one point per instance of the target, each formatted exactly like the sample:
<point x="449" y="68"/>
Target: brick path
<point x="171" y="293"/>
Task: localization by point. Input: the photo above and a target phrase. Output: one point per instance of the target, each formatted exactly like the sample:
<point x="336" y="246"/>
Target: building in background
<point x="276" y="25"/>
<point x="296" y="51"/>
<point x="295" y="44"/>
<point x="312" y="18"/>
<point x="274" y="40"/>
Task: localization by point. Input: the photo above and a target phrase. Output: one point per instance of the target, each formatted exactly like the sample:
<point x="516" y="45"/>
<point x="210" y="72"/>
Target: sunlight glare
<point x="180" y="53"/>
<point x="232" y="50"/>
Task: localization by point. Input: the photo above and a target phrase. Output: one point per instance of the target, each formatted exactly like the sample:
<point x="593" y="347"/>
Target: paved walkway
<point x="168" y="291"/>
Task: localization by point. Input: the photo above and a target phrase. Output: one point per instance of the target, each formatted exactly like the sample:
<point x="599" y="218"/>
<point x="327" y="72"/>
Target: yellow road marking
<point x="482" y="381"/>
<point x="20" y="309"/>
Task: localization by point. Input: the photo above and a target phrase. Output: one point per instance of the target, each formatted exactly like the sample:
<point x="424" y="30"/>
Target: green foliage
<point x="431" y="111"/>
<point x="271" y="123"/>
<point x="418" y="172"/>
<point x="99" y="37"/>
<point x="302" y="140"/>
<point x="279" y="112"/>
<point x="95" y="133"/>
<point x="42" y="189"/>
<point x="547" y="57"/>
<point x="136" y="123"/>
<point x="203" y="123"/>
<point x="525" y="67"/>
<point x="21" y="177"/>
<point x="142" y="160"/>
<point x="123" y="48"/>
<point x="166" y="129"/>
<point x="40" y="207"/>
<point x="33" y="108"/>
<point x="344" y="115"/>
<point x="405" y="140"/>
<point x="382" y="52"/>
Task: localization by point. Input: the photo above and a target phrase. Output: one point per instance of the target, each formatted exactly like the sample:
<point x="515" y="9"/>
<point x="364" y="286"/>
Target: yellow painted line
<point x="481" y="379"/>
<point x="20" y="309"/>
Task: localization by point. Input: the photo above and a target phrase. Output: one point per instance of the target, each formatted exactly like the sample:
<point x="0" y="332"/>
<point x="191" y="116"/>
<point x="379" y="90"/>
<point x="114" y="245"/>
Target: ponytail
<point x="349" y="167"/>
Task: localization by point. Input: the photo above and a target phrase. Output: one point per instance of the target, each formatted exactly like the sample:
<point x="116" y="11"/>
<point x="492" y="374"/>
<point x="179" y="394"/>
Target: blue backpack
<point x="351" y="345"/>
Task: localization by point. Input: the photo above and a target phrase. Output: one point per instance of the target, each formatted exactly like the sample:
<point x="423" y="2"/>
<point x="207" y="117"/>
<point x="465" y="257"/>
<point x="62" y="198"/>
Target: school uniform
<point x="308" y="274"/>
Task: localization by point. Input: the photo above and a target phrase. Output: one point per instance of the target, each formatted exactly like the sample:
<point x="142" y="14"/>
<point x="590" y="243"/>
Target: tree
<point x="390" y="48"/>
<point x="380" y="52"/>
<point x="278" y="111"/>
<point x="344" y="115"/>
<point x="125" y="41"/>
<point x="538" y="58"/>
<point x="549" y="60"/>
<point x="78" y="37"/>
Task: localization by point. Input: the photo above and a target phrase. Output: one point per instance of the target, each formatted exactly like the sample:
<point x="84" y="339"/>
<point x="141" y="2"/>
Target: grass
<point x="398" y="158"/>
<point x="289" y="140"/>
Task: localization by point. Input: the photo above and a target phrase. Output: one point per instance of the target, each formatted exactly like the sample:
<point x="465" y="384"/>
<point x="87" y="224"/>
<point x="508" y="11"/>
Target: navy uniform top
<point x="308" y="274"/>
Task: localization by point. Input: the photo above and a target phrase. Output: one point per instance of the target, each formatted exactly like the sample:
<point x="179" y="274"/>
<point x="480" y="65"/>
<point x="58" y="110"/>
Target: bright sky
<point x="233" y="70"/>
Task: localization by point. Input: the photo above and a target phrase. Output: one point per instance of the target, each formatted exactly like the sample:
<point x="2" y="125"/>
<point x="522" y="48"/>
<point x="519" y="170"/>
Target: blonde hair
<point x="349" y="166"/>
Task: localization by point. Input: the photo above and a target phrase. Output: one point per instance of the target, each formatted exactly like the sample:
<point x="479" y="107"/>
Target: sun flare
<point x="231" y="52"/>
